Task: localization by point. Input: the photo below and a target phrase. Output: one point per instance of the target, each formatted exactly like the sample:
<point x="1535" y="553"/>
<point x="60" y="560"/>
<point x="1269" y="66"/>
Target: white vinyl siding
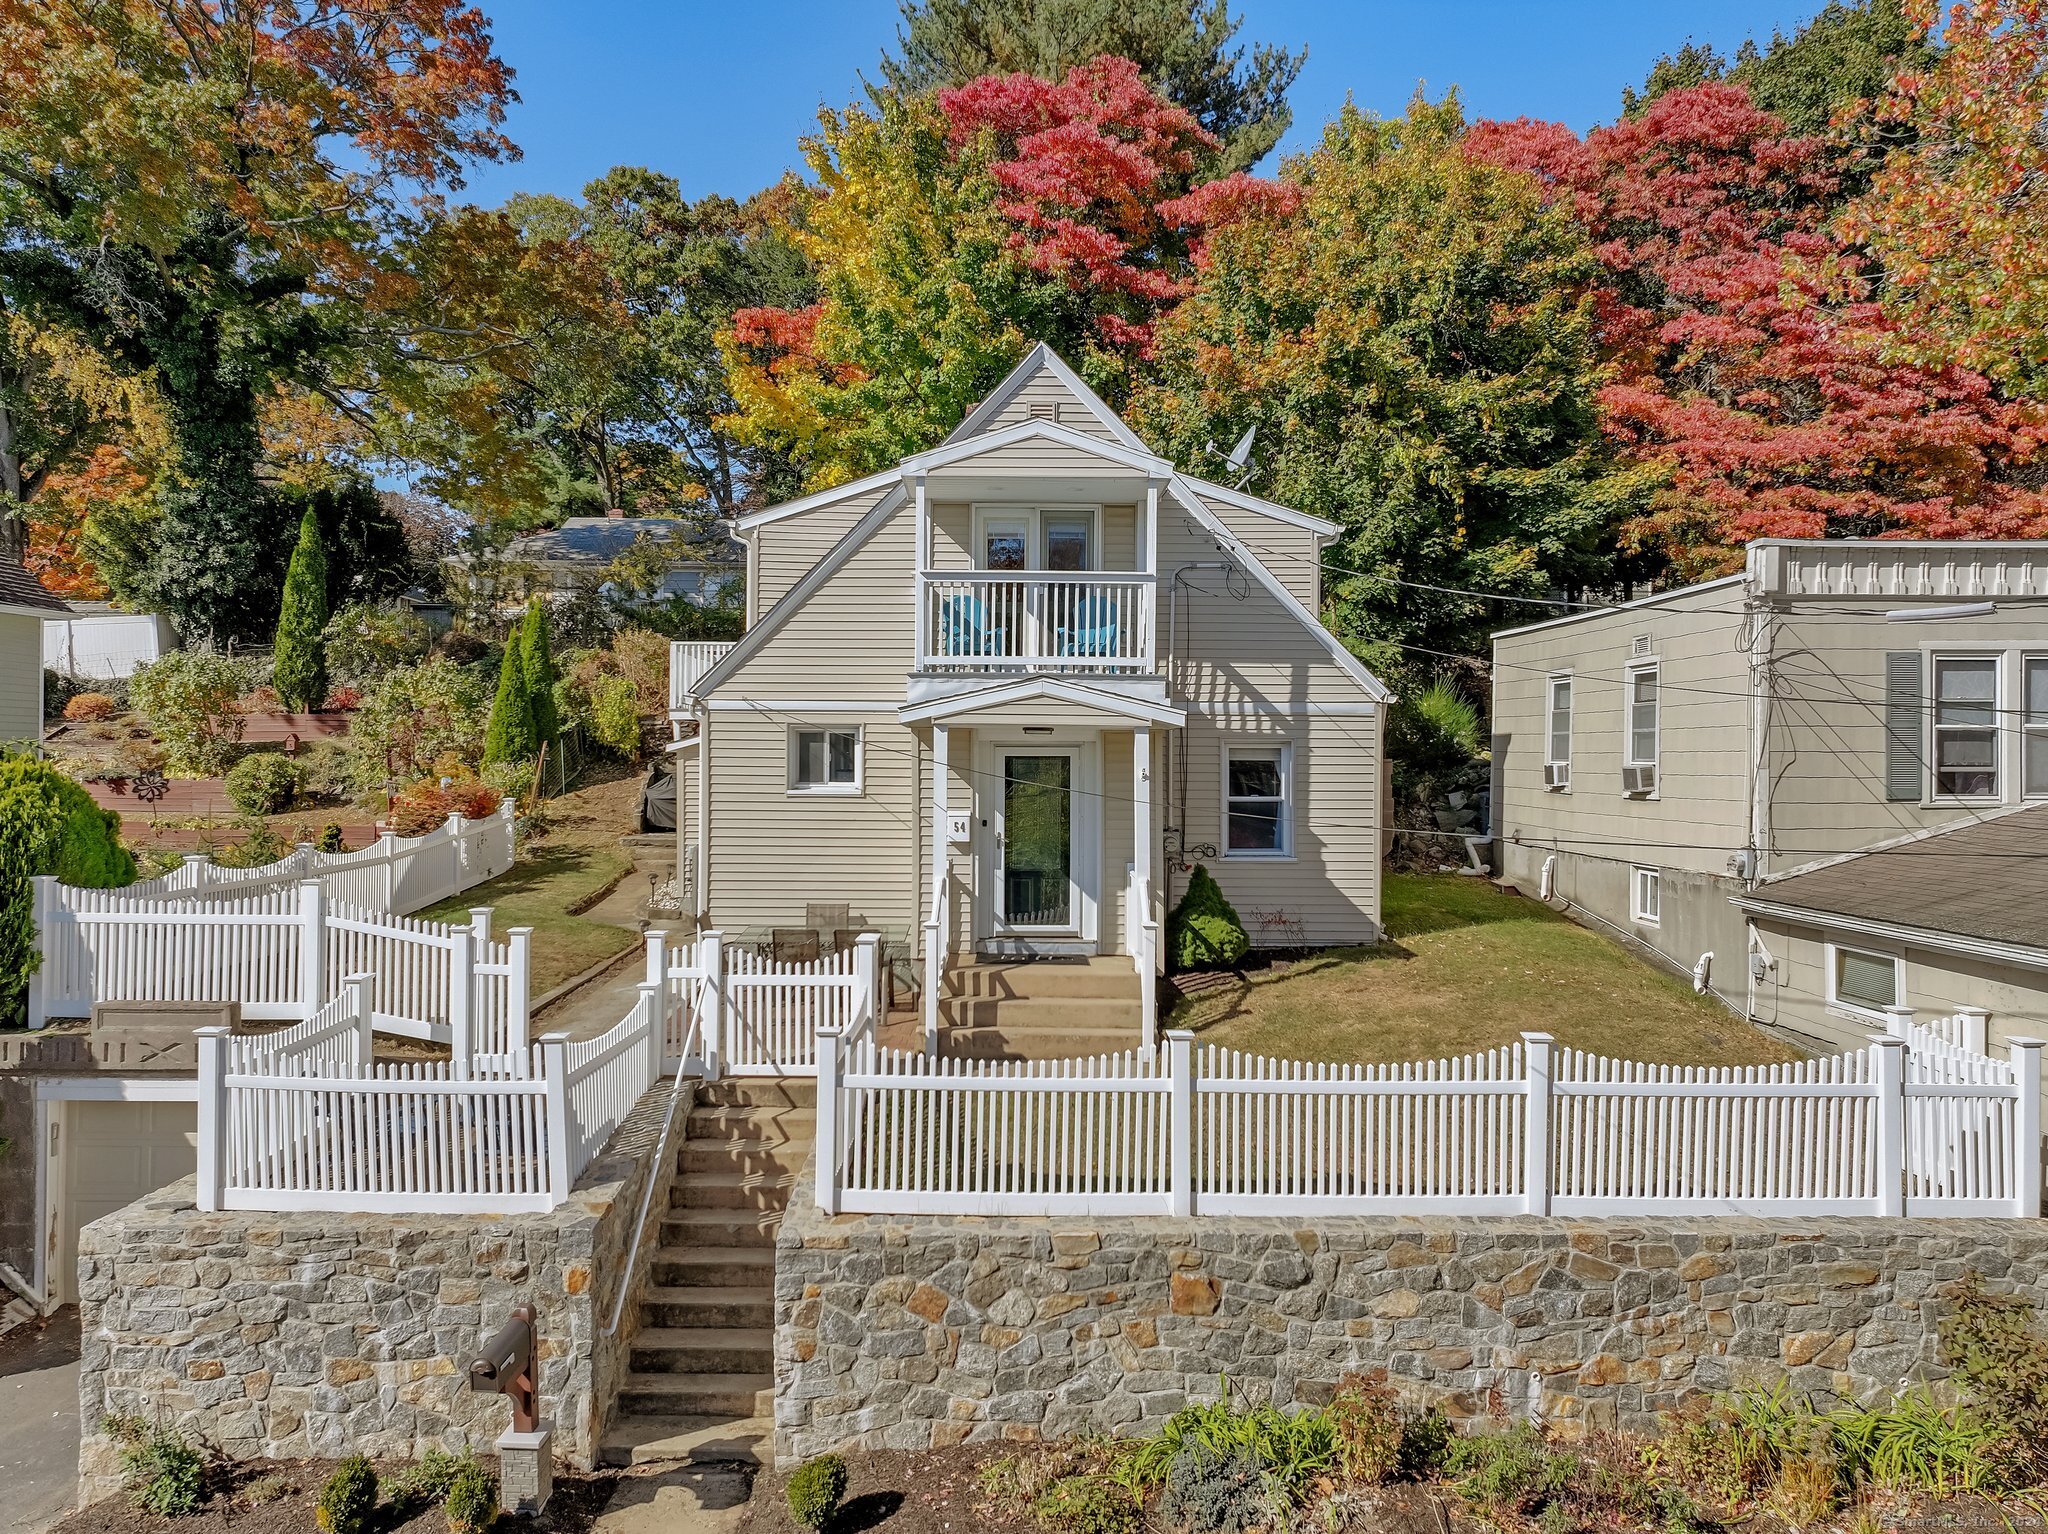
<point x="21" y="679"/>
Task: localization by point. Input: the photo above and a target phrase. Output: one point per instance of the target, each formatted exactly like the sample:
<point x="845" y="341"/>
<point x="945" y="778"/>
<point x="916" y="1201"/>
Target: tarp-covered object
<point x="658" y="799"/>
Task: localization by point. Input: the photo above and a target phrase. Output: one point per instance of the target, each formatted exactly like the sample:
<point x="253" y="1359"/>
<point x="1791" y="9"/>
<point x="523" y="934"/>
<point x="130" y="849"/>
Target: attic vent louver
<point x="1047" y="410"/>
<point x="1640" y="645"/>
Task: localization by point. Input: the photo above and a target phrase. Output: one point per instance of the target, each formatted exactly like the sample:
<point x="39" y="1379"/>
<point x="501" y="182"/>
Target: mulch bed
<point x="577" y="1502"/>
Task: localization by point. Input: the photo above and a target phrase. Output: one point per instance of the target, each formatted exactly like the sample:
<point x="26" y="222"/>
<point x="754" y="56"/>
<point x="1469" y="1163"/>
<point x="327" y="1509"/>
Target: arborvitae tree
<point x="300" y="670"/>
<point x="510" y="736"/>
<point x="536" y="656"/>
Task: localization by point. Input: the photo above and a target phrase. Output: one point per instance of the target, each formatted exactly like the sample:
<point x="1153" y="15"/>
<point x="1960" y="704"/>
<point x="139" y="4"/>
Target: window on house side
<point x="1255" y="789"/>
<point x="1646" y="895"/>
<point x="1558" y="751"/>
<point x="2034" y="727"/>
<point x="1642" y="717"/>
<point x="824" y="761"/>
<point x="1868" y="981"/>
<point x="1966" y="726"/>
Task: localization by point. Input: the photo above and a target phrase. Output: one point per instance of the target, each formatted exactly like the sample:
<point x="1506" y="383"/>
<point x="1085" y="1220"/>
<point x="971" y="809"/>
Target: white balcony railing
<point x="1071" y="622"/>
<point x="688" y="660"/>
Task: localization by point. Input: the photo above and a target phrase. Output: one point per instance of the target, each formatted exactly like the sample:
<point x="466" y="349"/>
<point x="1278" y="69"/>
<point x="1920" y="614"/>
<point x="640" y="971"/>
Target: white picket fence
<point x="393" y="875"/>
<point x="306" y="1119"/>
<point x="282" y="954"/>
<point x="758" y="1016"/>
<point x="1529" y="1128"/>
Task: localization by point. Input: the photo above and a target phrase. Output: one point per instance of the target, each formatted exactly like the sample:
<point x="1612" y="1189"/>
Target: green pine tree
<point x="510" y="737"/>
<point x="300" y="668"/>
<point x="537" y="657"/>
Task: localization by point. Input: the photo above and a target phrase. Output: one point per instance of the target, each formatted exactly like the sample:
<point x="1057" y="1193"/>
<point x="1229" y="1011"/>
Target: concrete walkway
<point x="598" y="1004"/>
<point x="39" y="1423"/>
<point x="692" y="1499"/>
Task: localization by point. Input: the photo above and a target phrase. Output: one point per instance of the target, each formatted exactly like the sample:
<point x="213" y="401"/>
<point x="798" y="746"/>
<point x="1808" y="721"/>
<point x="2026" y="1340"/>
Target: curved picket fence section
<point x="1889" y="1129"/>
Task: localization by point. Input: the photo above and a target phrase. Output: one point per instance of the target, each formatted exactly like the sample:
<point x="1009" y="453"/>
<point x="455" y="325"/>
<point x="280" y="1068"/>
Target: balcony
<point x="688" y="660"/>
<point x="1076" y="623"/>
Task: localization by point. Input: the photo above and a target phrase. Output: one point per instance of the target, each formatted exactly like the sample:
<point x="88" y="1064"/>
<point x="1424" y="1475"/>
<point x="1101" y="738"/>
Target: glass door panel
<point x="1036" y="845"/>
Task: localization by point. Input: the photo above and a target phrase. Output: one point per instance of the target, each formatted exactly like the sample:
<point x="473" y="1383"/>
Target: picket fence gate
<point x="758" y="1016"/>
<point x="1907" y="1125"/>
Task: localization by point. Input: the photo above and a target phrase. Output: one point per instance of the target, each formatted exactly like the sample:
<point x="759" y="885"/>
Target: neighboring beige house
<point x="1038" y="669"/>
<point x="560" y="558"/>
<point x="24" y="604"/>
<point x="1666" y="767"/>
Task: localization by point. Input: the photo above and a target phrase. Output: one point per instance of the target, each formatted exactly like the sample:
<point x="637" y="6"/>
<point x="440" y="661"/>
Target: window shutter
<point x="1905" y="725"/>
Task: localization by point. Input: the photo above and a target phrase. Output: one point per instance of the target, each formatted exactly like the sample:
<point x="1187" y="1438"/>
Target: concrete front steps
<point x="1040" y="1009"/>
<point x="700" y="1385"/>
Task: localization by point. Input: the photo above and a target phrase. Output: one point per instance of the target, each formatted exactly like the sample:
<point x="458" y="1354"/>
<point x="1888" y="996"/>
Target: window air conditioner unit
<point x="1557" y="774"/>
<point x="1639" y="779"/>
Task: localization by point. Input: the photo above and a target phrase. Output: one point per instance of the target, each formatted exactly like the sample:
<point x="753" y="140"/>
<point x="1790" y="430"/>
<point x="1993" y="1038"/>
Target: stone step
<point x="741" y="1123"/>
<point x="720" y="1227"/>
<point x="1061" y="1014"/>
<point x="688" y="1440"/>
<point x="1108" y="976"/>
<point x="759" y="1092"/>
<point x="783" y="1157"/>
<point x="698" y="1395"/>
<point x="717" y="1266"/>
<point x="732" y="1190"/>
<point x="707" y="1305"/>
<point x="712" y="1350"/>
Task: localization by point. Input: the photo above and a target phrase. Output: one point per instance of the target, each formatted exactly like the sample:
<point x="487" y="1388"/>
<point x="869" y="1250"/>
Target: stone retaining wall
<point x="906" y="1332"/>
<point x="318" y="1335"/>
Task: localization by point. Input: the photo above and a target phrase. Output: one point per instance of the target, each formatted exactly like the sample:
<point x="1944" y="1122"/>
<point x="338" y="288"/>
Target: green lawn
<point x="1464" y="967"/>
<point x="564" y="869"/>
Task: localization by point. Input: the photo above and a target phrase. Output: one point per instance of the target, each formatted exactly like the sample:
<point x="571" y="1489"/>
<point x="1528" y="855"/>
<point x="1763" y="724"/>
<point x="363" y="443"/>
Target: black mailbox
<point x="505" y="1367"/>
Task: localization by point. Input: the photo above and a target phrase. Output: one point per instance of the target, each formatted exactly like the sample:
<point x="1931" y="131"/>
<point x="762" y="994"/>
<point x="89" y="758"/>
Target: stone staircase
<point x="701" y="1380"/>
<point x="1040" y="1009"/>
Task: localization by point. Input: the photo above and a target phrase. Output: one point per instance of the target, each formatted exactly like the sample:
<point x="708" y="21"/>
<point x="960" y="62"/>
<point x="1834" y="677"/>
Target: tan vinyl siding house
<point x="1833" y="699"/>
<point x="24" y="603"/>
<point x="1096" y="653"/>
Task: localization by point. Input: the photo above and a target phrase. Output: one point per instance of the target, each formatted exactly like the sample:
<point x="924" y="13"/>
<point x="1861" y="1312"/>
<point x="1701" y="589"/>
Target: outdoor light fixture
<point x="1037" y="729"/>
<point x="1961" y="610"/>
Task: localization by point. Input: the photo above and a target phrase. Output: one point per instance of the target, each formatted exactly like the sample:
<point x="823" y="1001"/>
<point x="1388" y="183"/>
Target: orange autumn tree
<point x="949" y="231"/>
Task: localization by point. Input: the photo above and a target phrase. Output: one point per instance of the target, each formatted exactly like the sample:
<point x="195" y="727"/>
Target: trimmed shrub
<point x="164" y="1473"/>
<point x="419" y="808"/>
<point x="1087" y="1504"/>
<point x="299" y="667"/>
<point x="472" y="1504"/>
<point x="87" y="706"/>
<point x="426" y="1480"/>
<point x="816" y="1490"/>
<point x="264" y="783"/>
<point x="349" y="1499"/>
<point x="188" y="697"/>
<point x="364" y="641"/>
<point x="510" y="736"/>
<point x="1204" y="931"/>
<point x="48" y="825"/>
<point x="536" y="655"/>
<point x="615" y="715"/>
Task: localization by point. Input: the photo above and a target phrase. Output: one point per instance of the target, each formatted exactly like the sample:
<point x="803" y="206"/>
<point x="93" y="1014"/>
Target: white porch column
<point x="1141" y="938"/>
<point x="935" y="917"/>
<point x="918" y="596"/>
<point x="1141" y="803"/>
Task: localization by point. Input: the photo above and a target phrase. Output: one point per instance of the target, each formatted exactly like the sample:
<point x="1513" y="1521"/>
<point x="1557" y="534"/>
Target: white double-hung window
<point x="2034" y="727"/>
<point x="1557" y="740"/>
<point x="1258" y="819"/>
<point x="824" y="761"/>
<point x="1966" y="726"/>
<point x="1640" y="726"/>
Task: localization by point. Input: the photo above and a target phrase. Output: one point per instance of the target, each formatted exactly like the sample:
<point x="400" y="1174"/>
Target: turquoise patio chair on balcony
<point x="1092" y="631"/>
<point x="967" y="632"/>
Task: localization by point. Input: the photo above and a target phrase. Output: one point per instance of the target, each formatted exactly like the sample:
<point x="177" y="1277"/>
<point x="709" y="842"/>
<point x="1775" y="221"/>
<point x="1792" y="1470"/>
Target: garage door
<point x="113" y="1154"/>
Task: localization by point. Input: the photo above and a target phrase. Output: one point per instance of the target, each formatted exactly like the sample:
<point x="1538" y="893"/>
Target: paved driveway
<point x="39" y="1423"/>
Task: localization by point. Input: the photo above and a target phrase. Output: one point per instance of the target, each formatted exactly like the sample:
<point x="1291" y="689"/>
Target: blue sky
<point x="717" y="94"/>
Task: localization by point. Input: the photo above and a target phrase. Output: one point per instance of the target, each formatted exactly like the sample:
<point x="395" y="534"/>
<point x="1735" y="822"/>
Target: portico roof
<point x="1046" y="699"/>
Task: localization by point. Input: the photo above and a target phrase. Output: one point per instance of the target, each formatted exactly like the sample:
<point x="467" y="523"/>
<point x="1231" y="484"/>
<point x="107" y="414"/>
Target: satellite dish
<point x="1238" y="459"/>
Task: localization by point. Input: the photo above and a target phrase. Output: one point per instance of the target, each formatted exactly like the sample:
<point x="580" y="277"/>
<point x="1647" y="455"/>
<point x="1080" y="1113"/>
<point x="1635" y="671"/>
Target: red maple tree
<point x="1749" y="353"/>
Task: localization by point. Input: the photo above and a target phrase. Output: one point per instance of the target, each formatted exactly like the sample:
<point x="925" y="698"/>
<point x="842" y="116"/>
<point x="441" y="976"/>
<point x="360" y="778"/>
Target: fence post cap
<point x="2025" y="1041"/>
<point x="1539" y="1038"/>
<point x="519" y="932"/>
<point x="1179" y="1035"/>
<point x="868" y="939"/>
<point x="656" y="934"/>
<point x="648" y="985"/>
<point x="713" y="933"/>
<point x="213" y="1031"/>
<point x="557" y="1037"/>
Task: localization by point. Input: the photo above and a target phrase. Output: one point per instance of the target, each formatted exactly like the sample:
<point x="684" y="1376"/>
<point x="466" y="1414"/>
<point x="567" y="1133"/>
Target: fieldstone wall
<point x="907" y="1332"/>
<point x="318" y="1335"/>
